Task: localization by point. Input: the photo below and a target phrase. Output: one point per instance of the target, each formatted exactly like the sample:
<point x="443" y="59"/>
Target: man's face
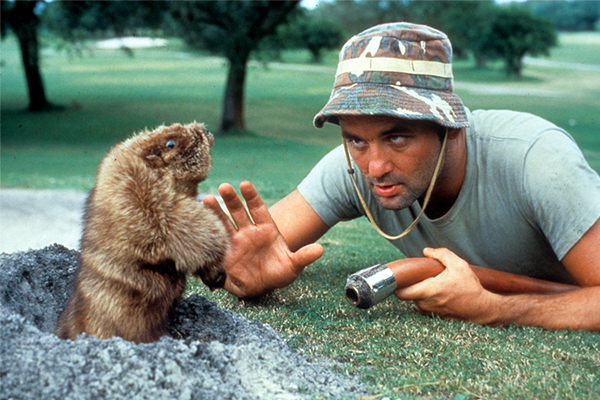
<point x="396" y="156"/>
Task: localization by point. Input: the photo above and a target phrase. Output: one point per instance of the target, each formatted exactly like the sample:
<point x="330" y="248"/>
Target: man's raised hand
<point x="259" y="259"/>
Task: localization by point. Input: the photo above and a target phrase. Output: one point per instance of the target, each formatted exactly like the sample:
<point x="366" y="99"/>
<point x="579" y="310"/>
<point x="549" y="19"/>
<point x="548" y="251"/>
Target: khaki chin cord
<point x="425" y="200"/>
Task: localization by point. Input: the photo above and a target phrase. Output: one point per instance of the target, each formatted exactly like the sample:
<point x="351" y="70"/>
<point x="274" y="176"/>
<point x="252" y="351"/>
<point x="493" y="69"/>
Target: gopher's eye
<point x="171" y="144"/>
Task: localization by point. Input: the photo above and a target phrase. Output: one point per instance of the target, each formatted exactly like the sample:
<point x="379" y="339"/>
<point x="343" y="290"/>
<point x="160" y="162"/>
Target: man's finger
<point x="256" y="206"/>
<point x="439" y="254"/>
<point x="234" y="205"/>
<point x="445" y="256"/>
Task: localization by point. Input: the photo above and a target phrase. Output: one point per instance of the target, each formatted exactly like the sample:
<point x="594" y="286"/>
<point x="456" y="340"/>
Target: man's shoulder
<point x="507" y="124"/>
<point x="506" y="146"/>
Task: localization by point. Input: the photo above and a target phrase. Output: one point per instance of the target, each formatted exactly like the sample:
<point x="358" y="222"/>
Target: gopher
<point x="144" y="231"/>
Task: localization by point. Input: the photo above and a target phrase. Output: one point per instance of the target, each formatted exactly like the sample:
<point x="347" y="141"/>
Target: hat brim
<point x="441" y="106"/>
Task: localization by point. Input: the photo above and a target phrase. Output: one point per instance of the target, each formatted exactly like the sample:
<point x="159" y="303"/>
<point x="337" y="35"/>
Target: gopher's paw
<point x="213" y="276"/>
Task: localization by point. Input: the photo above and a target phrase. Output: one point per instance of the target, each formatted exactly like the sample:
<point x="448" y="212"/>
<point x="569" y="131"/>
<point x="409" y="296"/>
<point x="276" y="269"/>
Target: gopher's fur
<point x="144" y="232"/>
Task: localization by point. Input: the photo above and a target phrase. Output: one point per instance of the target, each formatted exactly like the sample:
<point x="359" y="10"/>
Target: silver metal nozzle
<point x="370" y="286"/>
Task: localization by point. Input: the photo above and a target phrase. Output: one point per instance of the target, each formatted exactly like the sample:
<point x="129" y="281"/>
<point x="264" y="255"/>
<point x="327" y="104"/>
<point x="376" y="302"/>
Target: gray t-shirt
<point x="527" y="198"/>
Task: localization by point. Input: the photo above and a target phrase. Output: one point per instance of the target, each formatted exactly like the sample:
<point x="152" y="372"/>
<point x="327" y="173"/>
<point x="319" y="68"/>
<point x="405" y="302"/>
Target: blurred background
<point x="80" y="76"/>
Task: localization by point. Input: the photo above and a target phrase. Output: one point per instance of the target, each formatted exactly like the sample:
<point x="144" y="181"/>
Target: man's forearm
<point x="578" y="309"/>
<point x="457" y="293"/>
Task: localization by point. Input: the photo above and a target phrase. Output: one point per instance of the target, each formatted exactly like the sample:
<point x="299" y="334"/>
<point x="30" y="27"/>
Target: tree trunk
<point x="480" y="60"/>
<point x="236" y="30"/>
<point x="233" y="101"/>
<point x="25" y="25"/>
<point x="514" y="65"/>
<point x="35" y="85"/>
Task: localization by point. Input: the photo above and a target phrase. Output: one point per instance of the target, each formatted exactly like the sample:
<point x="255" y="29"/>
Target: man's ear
<point x="453" y="133"/>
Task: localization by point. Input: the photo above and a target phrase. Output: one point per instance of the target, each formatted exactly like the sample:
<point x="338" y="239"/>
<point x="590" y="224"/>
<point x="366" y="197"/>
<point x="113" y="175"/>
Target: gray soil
<point x="217" y="354"/>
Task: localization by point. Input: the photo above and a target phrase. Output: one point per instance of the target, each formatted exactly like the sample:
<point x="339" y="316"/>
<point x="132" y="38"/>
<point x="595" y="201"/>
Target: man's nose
<point x="379" y="162"/>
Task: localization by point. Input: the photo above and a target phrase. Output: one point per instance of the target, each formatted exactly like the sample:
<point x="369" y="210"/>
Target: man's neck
<point x="450" y="180"/>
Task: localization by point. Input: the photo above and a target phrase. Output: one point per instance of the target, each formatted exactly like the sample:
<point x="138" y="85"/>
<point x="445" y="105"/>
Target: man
<point x="499" y="189"/>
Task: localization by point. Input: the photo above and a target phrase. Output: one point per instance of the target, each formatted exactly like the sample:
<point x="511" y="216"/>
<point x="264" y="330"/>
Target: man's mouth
<point x="386" y="190"/>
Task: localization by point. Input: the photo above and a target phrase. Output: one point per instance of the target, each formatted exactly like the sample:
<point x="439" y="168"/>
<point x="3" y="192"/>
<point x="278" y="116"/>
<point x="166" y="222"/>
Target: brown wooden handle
<point x="409" y="271"/>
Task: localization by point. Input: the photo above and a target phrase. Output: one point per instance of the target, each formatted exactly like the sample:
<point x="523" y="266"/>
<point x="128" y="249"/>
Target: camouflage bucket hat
<point x="400" y="69"/>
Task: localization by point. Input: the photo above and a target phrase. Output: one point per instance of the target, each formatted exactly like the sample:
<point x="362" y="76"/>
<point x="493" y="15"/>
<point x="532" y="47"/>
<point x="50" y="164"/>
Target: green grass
<point x="402" y="354"/>
<point x="578" y="48"/>
<point x="398" y="352"/>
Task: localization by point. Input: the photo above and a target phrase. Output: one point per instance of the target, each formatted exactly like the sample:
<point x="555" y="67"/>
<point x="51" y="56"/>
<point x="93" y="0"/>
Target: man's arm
<point x="299" y="224"/>
<point x="268" y="250"/>
<point x="456" y="293"/>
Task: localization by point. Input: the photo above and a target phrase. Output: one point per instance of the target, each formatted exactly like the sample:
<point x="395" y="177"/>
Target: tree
<point x="465" y="22"/>
<point x="514" y="33"/>
<point x="74" y="21"/>
<point x="313" y="34"/>
<point x="22" y="18"/>
<point x="319" y="35"/>
<point x="357" y="15"/>
<point x="233" y="29"/>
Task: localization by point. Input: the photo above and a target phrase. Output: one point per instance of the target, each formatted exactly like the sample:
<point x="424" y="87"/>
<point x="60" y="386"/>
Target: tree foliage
<point x="357" y="15"/>
<point x="465" y="22"/>
<point x="480" y="29"/>
<point x="77" y="21"/>
<point x="568" y="15"/>
<point x="515" y="33"/>
<point x="315" y="35"/>
<point x="83" y="19"/>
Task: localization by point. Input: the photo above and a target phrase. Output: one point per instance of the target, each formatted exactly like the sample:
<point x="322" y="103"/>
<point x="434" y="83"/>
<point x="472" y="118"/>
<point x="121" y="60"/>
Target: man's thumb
<point x="306" y="255"/>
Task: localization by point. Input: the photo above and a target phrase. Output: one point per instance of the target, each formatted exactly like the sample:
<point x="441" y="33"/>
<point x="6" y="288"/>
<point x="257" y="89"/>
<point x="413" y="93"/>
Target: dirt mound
<point x="220" y="355"/>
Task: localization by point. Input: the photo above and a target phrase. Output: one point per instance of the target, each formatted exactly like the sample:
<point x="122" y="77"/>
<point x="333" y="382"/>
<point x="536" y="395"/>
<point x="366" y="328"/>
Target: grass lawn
<point x="400" y="353"/>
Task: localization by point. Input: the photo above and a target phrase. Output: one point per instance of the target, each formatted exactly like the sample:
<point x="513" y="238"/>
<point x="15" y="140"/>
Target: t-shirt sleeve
<point x="563" y="192"/>
<point x="329" y="191"/>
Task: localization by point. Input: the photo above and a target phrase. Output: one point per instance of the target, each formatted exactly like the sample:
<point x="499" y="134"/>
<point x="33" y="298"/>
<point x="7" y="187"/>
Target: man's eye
<point x="356" y="142"/>
<point x="397" y="139"/>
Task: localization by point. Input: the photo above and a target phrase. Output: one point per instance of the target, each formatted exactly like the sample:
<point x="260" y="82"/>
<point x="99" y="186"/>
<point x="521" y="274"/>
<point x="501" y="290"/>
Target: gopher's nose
<point x="200" y="132"/>
<point x="211" y="138"/>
